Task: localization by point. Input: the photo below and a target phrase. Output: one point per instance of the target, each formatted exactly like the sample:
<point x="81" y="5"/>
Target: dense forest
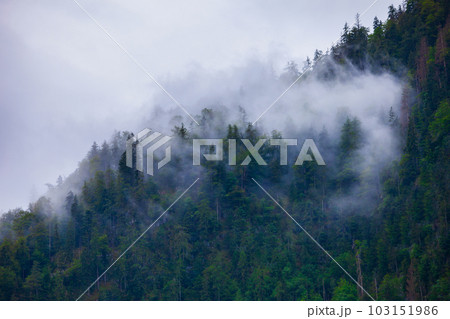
<point x="225" y="239"/>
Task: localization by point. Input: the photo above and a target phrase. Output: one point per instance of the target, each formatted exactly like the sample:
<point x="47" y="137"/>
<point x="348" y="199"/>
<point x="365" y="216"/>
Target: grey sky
<point x="64" y="84"/>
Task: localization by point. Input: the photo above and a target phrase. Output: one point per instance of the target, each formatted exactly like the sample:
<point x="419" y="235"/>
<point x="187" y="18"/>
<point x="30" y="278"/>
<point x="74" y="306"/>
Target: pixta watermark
<point x="146" y="143"/>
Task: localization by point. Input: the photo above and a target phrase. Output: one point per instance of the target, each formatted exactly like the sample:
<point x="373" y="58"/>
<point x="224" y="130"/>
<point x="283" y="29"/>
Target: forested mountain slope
<point x="225" y="239"/>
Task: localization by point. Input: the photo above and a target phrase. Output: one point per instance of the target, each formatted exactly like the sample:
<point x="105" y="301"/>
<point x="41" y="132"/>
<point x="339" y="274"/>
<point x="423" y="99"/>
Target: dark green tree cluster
<point x="225" y="239"/>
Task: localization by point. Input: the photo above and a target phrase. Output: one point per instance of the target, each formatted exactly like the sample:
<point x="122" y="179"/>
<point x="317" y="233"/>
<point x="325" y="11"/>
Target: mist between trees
<point x="376" y="106"/>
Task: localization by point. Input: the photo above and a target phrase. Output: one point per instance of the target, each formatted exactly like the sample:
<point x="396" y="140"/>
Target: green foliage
<point x="344" y="291"/>
<point x="391" y="288"/>
<point x="225" y="240"/>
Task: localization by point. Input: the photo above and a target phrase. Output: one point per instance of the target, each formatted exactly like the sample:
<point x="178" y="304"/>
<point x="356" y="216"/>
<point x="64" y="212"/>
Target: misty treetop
<point x="385" y="222"/>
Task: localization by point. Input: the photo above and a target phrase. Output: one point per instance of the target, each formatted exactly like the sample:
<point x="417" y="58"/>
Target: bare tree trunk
<point x="323" y="289"/>
<point x="217" y="208"/>
<point x="358" y="270"/>
<point x="376" y="286"/>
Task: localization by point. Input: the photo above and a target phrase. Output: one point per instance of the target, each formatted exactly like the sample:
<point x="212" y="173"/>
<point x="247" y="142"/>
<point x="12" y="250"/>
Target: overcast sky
<point x="64" y="83"/>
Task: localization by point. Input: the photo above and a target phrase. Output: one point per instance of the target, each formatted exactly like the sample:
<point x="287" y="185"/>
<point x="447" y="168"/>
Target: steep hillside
<point x="225" y="239"/>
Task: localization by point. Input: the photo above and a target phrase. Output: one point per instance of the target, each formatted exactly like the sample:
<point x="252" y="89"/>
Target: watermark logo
<point x="146" y="143"/>
<point x="308" y="148"/>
